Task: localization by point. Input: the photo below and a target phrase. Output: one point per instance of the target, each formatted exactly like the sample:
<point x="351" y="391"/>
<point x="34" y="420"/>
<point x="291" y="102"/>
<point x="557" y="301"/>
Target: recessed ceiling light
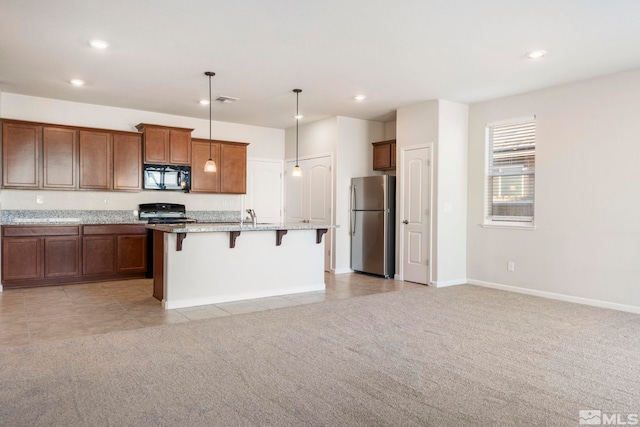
<point x="536" y="54"/>
<point x="98" y="44"/>
<point x="204" y="101"/>
<point x="360" y="97"/>
<point x="77" y="82"/>
<point x="298" y="116"/>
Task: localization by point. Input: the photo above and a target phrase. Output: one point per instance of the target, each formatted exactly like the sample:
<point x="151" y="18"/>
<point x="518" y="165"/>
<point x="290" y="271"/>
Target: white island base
<point x="206" y="270"/>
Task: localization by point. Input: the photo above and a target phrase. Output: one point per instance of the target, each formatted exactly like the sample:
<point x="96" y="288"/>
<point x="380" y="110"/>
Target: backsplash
<point x="14" y="199"/>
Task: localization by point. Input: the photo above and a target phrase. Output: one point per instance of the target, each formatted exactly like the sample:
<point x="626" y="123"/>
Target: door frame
<point x="330" y="235"/>
<point x="281" y="163"/>
<point x="400" y="209"/>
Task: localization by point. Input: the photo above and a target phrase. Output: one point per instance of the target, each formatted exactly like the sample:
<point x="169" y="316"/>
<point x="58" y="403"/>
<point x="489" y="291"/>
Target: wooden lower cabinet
<point x="132" y="254"/>
<point x="61" y="256"/>
<point x="98" y="255"/>
<point x="53" y="255"/>
<point x="21" y="258"/>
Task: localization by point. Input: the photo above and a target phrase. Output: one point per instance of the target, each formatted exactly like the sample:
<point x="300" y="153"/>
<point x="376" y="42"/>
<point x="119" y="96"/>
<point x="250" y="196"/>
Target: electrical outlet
<point x="511" y="266"/>
<point x="106" y="201"/>
<point x="39" y="200"/>
<point x="135" y="212"/>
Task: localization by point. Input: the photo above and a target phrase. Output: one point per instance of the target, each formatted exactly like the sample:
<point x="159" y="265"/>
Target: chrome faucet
<point x="254" y="218"/>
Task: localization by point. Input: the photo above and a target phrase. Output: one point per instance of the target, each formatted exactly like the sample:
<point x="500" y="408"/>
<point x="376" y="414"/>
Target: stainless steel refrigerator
<point x="373" y="230"/>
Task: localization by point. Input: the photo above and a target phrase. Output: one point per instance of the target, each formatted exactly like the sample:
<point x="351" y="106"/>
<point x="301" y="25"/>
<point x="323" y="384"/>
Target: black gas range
<point x="164" y="213"/>
<point x="160" y="213"/>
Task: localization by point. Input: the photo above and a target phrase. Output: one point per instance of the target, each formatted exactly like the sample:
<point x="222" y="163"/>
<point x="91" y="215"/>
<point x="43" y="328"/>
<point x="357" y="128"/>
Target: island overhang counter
<point x="199" y="264"/>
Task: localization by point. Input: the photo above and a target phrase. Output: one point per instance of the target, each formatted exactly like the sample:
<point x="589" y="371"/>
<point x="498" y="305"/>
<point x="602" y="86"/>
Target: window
<point x="511" y="161"/>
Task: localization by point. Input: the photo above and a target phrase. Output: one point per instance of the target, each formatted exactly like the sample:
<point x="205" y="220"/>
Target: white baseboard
<point x="445" y="283"/>
<point x="397" y="277"/>
<point x="560" y="297"/>
<point x="1" y="288"/>
<point x="342" y="271"/>
<point x="192" y="302"/>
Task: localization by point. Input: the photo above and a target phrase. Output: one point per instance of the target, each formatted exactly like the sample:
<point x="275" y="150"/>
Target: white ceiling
<point x="398" y="52"/>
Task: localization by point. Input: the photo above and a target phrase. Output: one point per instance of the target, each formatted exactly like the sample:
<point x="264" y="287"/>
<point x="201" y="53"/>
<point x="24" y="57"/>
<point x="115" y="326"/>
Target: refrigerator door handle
<point x="353" y="207"/>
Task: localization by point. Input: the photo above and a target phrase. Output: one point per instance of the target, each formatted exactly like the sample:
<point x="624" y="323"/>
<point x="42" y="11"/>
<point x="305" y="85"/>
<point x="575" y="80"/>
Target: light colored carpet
<point x="456" y="356"/>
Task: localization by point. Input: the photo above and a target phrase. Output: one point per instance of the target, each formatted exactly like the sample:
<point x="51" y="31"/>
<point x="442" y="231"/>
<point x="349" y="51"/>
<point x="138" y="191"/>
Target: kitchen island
<point x="199" y="264"/>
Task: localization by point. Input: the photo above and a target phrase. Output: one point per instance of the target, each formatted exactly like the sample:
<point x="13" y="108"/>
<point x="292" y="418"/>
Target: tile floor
<point x="33" y="315"/>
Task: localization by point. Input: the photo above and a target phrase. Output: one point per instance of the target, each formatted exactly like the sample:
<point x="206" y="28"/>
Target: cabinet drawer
<point x="23" y="231"/>
<point x="114" y="229"/>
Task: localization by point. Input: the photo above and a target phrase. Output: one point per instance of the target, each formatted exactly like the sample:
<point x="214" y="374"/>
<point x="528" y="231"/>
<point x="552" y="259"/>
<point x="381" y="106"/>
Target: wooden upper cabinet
<point x="44" y="156"/>
<point x="127" y="161"/>
<point x="166" y="145"/>
<point x="384" y="155"/>
<point x="156" y="145"/>
<point x="95" y="160"/>
<point x="233" y="165"/>
<point x="201" y="181"/>
<point x="393" y="154"/>
<point x="21" y="144"/>
<point x="59" y="157"/>
<point x="180" y="146"/>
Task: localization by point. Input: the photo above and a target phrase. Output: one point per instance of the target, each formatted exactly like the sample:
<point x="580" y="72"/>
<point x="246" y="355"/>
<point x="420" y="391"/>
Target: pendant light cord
<point x="210" y="117"/>
<point x="297" y="120"/>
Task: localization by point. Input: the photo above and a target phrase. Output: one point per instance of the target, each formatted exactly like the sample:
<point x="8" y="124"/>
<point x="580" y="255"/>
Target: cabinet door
<point x="20" y="155"/>
<point x="98" y="254"/>
<point x="381" y="156"/>
<point x="59" y="153"/>
<point x="21" y="258"/>
<point x="61" y="256"/>
<point x="156" y="145"/>
<point x="95" y="160"/>
<point x="127" y="161"/>
<point x="393" y="155"/>
<point x="233" y="168"/>
<point x="179" y="147"/>
<point x="201" y="181"/>
<point x="132" y="254"/>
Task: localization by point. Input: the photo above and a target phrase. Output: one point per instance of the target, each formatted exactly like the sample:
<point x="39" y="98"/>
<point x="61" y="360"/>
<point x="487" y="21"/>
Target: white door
<point x="264" y="189"/>
<point x="309" y="197"/>
<point x="416" y="176"/>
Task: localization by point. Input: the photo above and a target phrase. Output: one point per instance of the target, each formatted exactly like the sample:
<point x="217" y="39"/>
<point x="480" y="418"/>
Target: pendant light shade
<point x="297" y="170"/>
<point x="210" y="166"/>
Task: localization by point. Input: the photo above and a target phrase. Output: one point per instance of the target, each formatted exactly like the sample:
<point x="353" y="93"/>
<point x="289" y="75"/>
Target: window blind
<point x="511" y="165"/>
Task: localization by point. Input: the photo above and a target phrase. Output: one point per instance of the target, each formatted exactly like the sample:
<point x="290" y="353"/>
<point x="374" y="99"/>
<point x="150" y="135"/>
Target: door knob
<point x="405" y="221"/>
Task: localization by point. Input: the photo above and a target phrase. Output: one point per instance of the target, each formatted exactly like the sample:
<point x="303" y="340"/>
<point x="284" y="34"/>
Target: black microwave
<point x="165" y="177"/>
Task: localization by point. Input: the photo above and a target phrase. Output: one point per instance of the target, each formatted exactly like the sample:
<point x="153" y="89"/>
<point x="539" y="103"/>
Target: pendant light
<point x="297" y="171"/>
<point x="210" y="166"/>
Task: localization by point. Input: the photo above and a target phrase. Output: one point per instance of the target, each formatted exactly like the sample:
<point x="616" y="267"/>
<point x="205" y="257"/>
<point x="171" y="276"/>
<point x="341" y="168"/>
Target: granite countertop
<point x="82" y="217"/>
<point x="213" y="227"/>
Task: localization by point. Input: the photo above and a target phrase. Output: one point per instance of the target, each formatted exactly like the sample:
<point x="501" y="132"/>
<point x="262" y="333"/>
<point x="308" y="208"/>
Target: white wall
<point x="418" y="125"/>
<point x="265" y="143"/>
<point x="587" y="238"/>
<point x="452" y="192"/>
<point x="389" y="130"/>
<point x="354" y="159"/>
<point x="443" y="124"/>
<point x="313" y="138"/>
<point x="349" y="141"/>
